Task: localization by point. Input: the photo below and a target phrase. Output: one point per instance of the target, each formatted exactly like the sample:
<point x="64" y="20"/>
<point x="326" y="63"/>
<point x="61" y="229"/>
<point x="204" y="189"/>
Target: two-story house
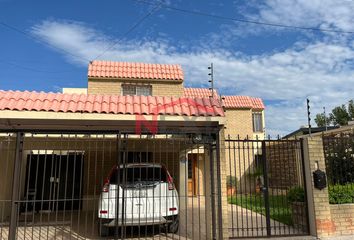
<point x="70" y="141"/>
<point x="244" y="115"/>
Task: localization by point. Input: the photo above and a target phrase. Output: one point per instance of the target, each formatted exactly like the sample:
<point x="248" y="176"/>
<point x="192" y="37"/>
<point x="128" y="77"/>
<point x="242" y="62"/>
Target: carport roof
<point x="109" y="104"/>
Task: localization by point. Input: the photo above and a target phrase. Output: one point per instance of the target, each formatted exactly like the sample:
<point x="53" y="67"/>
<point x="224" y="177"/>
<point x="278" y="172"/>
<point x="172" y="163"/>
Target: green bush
<point x="340" y="194"/>
<point x="296" y="194"/>
<point x="231" y="181"/>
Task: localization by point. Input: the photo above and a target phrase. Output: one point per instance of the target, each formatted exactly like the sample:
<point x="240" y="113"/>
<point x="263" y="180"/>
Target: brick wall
<point x="330" y="220"/>
<point x="113" y="86"/>
<point x="223" y="174"/>
<point x="238" y="122"/>
<point x="240" y="156"/>
<point x="283" y="164"/>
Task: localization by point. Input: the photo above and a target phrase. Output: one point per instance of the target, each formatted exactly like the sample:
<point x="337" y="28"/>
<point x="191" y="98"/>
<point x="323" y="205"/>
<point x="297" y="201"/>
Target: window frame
<point x="136" y="87"/>
<point x="257" y="125"/>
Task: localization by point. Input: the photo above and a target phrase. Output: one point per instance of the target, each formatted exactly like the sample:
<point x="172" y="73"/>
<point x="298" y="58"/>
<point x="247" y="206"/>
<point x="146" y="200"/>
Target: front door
<point x="192" y="174"/>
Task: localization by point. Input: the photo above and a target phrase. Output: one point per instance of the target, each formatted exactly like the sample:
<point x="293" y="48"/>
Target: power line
<point x="134" y="26"/>
<point x="32" y="69"/>
<point x="205" y="14"/>
<point x="8" y="26"/>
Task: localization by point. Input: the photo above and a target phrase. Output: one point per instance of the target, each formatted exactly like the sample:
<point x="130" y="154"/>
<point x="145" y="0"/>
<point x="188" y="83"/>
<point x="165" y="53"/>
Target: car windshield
<point x="139" y="174"/>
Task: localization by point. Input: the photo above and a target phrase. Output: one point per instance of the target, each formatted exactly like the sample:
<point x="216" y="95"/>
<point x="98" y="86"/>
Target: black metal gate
<point x="266" y="188"/>
<point x="93" y="185"/>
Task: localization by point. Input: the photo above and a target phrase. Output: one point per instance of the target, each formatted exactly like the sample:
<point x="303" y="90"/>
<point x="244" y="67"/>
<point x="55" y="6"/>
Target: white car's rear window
<point x="139" y="174"/>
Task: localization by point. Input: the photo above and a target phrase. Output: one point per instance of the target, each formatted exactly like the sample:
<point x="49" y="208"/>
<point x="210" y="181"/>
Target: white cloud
<point x="332" y="14"/>
<point x="336" y="15"/>
<point x="322" y="70"/>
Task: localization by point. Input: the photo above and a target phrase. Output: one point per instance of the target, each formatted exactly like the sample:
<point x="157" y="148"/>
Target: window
<point x="140" y="90"/>
<point x="139" y="174"/>
<point x="136" y="157"/>
<point x="257" y="122"/>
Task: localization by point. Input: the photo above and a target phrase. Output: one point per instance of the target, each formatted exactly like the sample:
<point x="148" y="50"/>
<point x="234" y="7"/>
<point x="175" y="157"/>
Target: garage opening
<point x="94" y="185"/>
<point x="51" y="176"/>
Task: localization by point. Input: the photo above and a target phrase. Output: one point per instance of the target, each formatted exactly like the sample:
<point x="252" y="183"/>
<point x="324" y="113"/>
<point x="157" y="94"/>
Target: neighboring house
<point x="305" y="131"/>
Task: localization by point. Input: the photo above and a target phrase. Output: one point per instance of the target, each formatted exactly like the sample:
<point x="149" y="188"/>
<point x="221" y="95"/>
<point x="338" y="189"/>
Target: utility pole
<point x="325" y="117"/>
<point x="308" y="115"/>
<point x="211" y="80"/>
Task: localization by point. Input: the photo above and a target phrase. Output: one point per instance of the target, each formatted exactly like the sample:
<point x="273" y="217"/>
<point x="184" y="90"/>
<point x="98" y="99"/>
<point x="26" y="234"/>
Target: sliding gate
<point x="265" y="188"/>
<point x="98" y="185"/>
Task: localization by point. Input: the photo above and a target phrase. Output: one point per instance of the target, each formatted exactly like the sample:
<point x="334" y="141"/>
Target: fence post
<point x="305" y="173"/>
<point x="15" y="185"/>
<point x="219" y="186"/>
<point x="212" y="194"/>
<point x="266" y="186"/>
<point x="308" y="186"/>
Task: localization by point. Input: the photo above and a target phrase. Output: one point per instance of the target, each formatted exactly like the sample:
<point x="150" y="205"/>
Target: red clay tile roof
<point x="257" y="103"/>
<point x="243" y="102"/>
<point x="109" y="104"/>
<point x="129" y="70"/>
<point x="199" y="92"/>
<point x="229" y="101"/>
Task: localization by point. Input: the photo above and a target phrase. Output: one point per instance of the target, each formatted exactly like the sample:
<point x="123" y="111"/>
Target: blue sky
<point x="283" y="66"/>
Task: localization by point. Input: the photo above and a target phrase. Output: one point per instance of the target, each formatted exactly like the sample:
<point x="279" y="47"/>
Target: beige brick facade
<point x="238" y="122"/>
<point x="239" y="157"/>
<point x="223" y="190"/>
<point x="113" y="86"/>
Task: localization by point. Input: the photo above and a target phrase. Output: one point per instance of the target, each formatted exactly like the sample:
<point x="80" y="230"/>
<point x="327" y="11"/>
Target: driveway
<point x="247" y="223"/>
<point x="192" y="225"/>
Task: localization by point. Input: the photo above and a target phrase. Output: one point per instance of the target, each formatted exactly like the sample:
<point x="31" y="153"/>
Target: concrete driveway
<point x="192" y="225"/>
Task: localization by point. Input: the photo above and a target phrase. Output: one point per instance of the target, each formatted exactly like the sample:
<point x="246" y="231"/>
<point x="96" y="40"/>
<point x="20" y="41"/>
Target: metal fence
<point x="339" y="159"/>
<point x="266" y="188"/>
<point x="93" y="185"/>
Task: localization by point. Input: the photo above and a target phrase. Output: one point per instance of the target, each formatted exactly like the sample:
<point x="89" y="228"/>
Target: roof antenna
<point x="211" y="74"/>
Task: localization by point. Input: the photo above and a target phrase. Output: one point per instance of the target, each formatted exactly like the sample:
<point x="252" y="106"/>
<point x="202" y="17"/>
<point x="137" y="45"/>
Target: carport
<point x="54" y="164"/>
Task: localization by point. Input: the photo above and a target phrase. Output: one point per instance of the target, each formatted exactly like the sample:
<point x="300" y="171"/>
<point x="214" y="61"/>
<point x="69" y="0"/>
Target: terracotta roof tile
<point x="199" y="92"/>
<point x="229" y="101"/>
<point x="109" y="69"/>
<point x="242" y="102"/>
<point x="257" y="103"/>
<point x="109" y="104"/>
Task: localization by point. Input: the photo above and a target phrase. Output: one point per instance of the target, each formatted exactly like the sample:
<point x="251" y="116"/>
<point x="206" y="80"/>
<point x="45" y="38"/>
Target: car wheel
<point x="173" y="227"/>
<point x="103" y="230"/>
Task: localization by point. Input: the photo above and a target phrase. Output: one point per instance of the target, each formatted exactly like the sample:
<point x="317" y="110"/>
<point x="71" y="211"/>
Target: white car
<point x="147" y="196"/>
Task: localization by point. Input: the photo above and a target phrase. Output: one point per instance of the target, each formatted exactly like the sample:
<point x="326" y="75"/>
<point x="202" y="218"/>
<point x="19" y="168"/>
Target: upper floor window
<point x="257" y="121"/>
<point x="139" y="90"/>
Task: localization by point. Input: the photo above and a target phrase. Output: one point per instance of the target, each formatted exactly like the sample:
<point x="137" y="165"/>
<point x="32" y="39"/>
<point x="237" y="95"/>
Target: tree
<point x="321" y="120"/>
<point x="340" y="116"/>
<point x="340" y="160"/>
